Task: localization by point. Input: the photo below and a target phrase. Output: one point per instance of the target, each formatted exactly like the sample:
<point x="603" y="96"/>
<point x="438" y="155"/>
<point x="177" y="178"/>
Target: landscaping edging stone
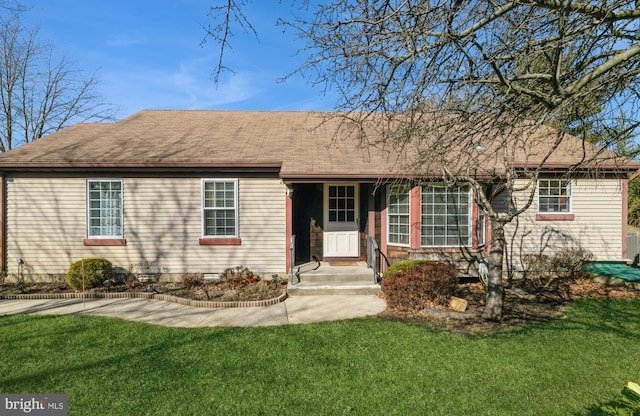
<point x="144" y="295"/>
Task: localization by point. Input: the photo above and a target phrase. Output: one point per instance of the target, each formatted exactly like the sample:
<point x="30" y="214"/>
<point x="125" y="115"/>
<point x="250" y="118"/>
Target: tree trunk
<point x="495" y="290"/>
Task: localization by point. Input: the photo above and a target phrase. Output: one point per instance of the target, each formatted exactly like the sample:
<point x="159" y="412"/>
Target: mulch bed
<point x="227" y="291"/>
<point x="522" y="305"/>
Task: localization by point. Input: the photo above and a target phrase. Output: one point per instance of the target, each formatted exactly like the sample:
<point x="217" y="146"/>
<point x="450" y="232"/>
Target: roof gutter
<point x="43" y="165"/>
<point x="273" y="167"/>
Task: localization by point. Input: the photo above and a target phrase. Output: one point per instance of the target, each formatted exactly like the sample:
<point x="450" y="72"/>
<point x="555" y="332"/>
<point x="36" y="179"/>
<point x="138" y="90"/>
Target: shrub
<point x="94" y="271"/>
<point x="420" y="285"/>
<point x="560" y="268"/>
<point x="193" y="280"/>
<point x="133" y="282"/>
<point x="403" y="265"/>
<point x="239" y="274"/>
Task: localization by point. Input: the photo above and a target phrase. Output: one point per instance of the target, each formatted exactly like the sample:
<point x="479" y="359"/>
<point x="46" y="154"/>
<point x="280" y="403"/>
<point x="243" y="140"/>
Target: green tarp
<point x="617" y="270"/>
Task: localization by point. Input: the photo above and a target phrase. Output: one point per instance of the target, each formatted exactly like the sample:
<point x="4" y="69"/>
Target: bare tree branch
<point x="225" y="17"/>
<point x="39" y="93"/>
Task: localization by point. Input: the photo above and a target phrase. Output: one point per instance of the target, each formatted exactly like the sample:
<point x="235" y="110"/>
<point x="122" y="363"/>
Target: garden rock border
<point x="145" y="295"/>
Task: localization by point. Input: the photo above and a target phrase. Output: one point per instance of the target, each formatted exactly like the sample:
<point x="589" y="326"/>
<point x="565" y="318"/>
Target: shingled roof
<point x="298" y="144"/>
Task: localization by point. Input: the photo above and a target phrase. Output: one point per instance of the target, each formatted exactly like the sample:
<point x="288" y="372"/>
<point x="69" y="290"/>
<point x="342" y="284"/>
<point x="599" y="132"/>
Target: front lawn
<point x="367" y="366"/>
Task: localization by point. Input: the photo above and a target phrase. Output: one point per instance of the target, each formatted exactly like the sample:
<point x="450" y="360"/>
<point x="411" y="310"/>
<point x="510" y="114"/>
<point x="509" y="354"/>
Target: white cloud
<point x="189" y="86"/>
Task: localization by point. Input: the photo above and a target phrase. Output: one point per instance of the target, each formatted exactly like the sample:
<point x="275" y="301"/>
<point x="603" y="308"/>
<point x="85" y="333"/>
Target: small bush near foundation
<point x="403" y="265"/>
<point x="239" y="274"/>
<point x="133" y="282"/>
<point x="421" y="285"/>
<point x="193" y="280"/>
<point x="94" y="271"/>
<point x="558" y="269"/>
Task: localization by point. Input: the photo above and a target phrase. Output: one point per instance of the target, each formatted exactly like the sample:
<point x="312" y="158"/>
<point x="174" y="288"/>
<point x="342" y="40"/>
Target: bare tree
<point x="40" y="93"/>
<point x="225" y="16"/>
<point x="471" y="88"/>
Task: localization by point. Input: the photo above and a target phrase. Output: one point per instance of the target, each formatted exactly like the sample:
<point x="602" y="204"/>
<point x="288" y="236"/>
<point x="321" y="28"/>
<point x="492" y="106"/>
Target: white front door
<point x="341" y="231"/>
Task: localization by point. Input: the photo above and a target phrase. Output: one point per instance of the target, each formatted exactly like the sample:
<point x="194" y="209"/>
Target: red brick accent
<point x="104" y="242"/>
<point x="555" y="217"/>
<point x="219" y="241"/>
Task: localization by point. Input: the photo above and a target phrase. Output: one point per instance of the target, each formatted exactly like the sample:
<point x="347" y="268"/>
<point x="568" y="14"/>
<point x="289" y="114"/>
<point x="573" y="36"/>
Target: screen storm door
<point x="341" y="207"/>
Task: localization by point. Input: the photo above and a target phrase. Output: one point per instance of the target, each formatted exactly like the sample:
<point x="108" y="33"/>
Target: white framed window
<point x="398" y="207"/>
<point x="220" y="208"/>
<point x="554" y="196"/>
<point x="446" y="216"/>
<point x="104" y="208"/>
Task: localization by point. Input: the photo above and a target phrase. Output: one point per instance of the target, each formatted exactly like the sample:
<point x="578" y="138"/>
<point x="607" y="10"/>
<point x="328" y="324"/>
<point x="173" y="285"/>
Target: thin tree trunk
<point x="495" y="290"/>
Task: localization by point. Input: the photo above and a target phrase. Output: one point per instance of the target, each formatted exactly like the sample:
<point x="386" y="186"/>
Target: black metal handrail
<point x="297" y="273"/>
<point x="372" y="257"/>
<point x="292" y="250"/>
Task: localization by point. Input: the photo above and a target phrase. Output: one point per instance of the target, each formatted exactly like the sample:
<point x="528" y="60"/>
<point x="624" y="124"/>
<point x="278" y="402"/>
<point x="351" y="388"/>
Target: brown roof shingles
<point x="304" y="144"/>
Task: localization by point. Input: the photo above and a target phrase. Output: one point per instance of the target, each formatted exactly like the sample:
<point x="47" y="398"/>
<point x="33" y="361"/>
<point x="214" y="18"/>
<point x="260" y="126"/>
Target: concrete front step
<point x="332" y="288"/>
<point x="328" y="279"/>
<point x="335" y="278"/>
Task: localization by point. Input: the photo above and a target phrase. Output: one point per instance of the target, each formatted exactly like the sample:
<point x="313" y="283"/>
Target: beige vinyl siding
<point x="46" y="225"/>
<point x="597" y="225"/>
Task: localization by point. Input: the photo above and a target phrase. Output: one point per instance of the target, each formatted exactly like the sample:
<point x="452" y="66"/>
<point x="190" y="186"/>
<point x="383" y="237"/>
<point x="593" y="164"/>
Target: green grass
<point x="359" y="367"/>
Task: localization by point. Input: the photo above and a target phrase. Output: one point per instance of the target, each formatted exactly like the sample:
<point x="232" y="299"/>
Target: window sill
<point x="555" y="217"/>
<point x="104" y="242"/>
<point x="219" y="241"/>
<point x="398" y="244"/>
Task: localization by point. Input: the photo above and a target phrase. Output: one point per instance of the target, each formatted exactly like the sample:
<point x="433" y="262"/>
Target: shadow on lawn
<point x="627" y="403"/>
<point x="620" y="317"/>
<point x="108" y="340"/>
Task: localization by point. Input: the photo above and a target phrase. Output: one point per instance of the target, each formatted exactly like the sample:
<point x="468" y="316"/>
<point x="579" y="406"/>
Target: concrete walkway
<point x="294" y="310"/>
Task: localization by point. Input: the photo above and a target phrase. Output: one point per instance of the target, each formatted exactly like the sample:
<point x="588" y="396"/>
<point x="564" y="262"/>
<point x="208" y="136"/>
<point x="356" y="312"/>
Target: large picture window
<point x="220" y="208"/>
<point x="446" y="216"/>
<point x="554" y="196"/>
<point x="104" y="204"/>
<point x="398" y="214"/>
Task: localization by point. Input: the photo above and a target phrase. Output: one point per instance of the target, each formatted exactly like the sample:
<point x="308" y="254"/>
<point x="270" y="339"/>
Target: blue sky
<point x="148" y="54"/>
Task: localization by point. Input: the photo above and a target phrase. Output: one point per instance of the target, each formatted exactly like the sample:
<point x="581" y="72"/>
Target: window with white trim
<point x="104" y="208"/>
<point x="398" y="208"/>
<point x="220" y="208"/>
<point x="554" y="196"/>
<point x="446" y="216"/>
